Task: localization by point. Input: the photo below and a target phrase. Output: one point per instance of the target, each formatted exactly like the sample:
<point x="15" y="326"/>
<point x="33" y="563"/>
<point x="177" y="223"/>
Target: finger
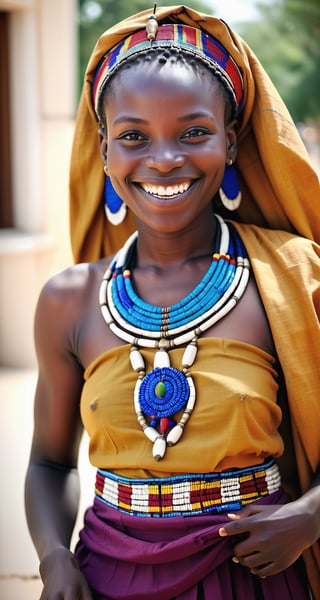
<point x="261" y="570"/>
<point x="252" y="509"/>
<point x="235" y="560"/>
<point x="244" y="512"/>
<point x="253" y="561"/>
<point x="266" y="570"/>
<point x="247" y="511"/>
<point x="233" y="516"/>
<point x="235" y="527"/>
<point x="254" y="564"/>
<point x="81" y="595"/>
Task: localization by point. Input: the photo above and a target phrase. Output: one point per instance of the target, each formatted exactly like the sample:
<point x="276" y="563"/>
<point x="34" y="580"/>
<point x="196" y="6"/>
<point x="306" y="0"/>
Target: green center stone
<point x="160" y="389"/>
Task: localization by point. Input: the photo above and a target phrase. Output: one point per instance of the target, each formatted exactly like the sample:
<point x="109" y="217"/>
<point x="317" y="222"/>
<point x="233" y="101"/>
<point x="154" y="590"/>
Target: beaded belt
<point x="193" y="494"/>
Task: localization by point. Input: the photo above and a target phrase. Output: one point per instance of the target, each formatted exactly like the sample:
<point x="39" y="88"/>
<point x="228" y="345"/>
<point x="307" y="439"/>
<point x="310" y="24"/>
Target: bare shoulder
<point x="64" y="302"/>
<point x="75" y="279"/>
<point x="71" y="288"/>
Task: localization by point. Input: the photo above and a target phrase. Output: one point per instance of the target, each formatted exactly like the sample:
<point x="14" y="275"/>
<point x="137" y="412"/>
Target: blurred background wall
<point x="38" y="98"/>
<point x="38" y="95"/>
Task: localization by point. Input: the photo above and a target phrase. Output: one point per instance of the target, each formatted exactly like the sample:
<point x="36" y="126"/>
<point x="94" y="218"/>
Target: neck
<point x="165" y="249"/>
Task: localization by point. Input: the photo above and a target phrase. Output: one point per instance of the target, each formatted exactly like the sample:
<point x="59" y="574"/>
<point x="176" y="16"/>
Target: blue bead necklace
<point x="165" y="391"/>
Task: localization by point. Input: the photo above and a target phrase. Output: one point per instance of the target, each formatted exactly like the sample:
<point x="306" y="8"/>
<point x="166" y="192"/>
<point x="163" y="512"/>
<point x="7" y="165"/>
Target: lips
<point x="169" y="191"/>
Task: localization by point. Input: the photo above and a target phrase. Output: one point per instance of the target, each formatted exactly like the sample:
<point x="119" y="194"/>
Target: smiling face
<point x="167" y="142"/>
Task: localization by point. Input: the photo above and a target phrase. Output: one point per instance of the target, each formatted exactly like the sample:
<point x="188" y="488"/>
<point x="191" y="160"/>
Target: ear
<point x="232" y="140"/>
<point x="103" y="143"/>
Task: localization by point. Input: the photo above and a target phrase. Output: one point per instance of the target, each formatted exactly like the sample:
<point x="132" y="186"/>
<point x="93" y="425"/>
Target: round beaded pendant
<point x="165" y="391"/>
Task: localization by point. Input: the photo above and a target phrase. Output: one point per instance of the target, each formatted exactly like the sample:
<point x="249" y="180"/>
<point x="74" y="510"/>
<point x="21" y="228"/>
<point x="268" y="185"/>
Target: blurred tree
<point x="95" y="16"/>
<point x="286" y="38"/>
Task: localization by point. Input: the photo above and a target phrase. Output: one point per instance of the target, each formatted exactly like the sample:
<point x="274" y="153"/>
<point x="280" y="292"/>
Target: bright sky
<point x="233" y="11"/>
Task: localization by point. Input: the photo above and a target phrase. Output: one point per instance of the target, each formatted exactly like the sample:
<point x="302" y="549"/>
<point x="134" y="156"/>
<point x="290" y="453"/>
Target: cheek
<point x="118" y="167"/>
<point x="213" y="160"/>
<point x="120" y="160"/>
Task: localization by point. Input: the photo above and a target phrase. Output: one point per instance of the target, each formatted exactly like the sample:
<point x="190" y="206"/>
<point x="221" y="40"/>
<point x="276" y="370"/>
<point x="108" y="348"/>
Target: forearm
<point x="51" y="499"/>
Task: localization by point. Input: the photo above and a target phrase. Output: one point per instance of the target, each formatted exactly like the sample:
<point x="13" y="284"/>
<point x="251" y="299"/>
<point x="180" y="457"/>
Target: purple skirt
<point x="125" y="557"/>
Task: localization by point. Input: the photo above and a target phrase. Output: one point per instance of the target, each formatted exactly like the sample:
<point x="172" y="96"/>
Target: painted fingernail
<point x="222" y="532"/>
<point x="233" y="516"/>
<point x="235" y="559"/>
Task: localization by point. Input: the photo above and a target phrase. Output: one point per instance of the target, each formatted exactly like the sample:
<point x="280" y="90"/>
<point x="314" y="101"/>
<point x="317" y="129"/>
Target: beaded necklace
<point x="165" y="391"/>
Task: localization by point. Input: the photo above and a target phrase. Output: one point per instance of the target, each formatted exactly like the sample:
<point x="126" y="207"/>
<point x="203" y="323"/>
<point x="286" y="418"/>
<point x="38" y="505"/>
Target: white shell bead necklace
<point x="164" y="392"/>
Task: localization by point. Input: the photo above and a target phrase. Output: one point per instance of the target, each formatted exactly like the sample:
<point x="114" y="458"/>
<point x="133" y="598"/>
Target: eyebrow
<point x="126" y="118"/>
<point x="197" y="115"/>
<point x="188" y="117"/>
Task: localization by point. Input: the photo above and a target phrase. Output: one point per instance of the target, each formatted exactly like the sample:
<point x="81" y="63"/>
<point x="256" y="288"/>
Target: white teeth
<point x="161" y="191"/>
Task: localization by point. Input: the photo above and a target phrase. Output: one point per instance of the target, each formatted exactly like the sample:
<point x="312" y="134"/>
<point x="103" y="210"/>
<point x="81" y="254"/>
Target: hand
<point x="62" y="578"/>
<point x="268" y="539"/>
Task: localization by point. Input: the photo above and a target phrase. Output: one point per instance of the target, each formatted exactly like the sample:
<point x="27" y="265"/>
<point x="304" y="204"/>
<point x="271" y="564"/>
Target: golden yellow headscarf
<point x="280" y="191"/>
<point x="279" y="187"/>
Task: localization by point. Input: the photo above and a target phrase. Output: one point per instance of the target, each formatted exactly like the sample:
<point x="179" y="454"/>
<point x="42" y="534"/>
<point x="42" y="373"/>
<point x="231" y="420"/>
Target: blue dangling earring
<point x="115" y="208"/>
<point x="229" y="192"/>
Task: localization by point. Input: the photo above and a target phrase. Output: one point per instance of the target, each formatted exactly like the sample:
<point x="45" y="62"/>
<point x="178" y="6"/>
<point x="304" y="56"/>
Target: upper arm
<point x="57" y="424"/>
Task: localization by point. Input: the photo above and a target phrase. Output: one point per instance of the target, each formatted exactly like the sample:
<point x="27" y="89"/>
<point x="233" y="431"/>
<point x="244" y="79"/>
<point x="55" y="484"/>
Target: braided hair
<point x="157" y="57"/>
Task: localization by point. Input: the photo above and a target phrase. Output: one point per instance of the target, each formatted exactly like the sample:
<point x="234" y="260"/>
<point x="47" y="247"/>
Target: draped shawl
<point x="280" y="197"/>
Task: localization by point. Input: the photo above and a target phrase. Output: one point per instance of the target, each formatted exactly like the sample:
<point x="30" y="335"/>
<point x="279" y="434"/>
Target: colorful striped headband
<point x="194" y="41"/>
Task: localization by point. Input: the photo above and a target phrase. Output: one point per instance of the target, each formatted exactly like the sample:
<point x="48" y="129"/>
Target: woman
<point x="196" y="371"/>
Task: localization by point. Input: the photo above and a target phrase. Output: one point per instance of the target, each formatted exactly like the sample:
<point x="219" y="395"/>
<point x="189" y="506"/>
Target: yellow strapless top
<point x="234" y="423"/>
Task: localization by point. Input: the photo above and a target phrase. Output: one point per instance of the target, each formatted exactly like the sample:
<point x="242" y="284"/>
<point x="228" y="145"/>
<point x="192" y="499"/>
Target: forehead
<point x="169" y="78"/>
<point x="163" y="99"/>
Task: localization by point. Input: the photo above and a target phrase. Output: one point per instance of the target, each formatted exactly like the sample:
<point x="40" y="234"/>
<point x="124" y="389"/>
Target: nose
<point x="164" y="158"/>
